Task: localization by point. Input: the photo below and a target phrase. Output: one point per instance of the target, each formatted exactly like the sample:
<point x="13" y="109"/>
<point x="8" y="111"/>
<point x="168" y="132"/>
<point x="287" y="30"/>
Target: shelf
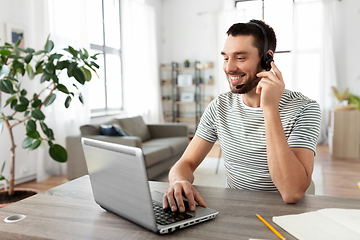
<point x="186" y="119"/>
<point x="185" y="86"/>
<point x="185" y="111"/>
<point x="199" y="102"/>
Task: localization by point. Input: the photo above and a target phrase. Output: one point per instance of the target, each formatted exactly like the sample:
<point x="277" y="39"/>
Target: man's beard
<point x="246" y="88"/>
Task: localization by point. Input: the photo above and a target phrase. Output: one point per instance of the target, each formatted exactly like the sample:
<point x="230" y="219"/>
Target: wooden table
<point x="69" y="212"/>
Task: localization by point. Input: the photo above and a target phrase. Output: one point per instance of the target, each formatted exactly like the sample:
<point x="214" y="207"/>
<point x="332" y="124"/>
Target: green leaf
<point x="95" y="56"/>
<point x="26" y="113"/>
<point x="86" y="53"/>
<point x="30" y="125"/>
<point x="30" y="71"/>
<point x="35" y="145"/>
<point x="27" y="142"/>
<point x="49" y="46"/>
<point x="13" y="103"/>
<point x="73" y="51"/>
<point x="58" y="153"/>
<point x="54" y="78"/>
<point x="70" y="69"/>
<point x="33" y="134"/>
<point x="79" y="75"/>
<point x="18" y="65"/>
<point x="23" y="92"/>
<point x="49" y="133"/>
<point x="87" y="74"/>
<point x="38" y="65"/>
<point x="67" y="101"/>
<point x="24" y="100"/>
<point x="37" y="114"/>
<point x="45" y="77"/>
<point x="12" y="79"/>
<point x="62" y="88"/>
<point x="29" y="50"/>
<point x="51" y="144"/>
<point x="62" y="64"/>
<point x="49" y="67"/>
<point x="43" y="126"/>
<point x="39" y="52"/>
<point x="18" y="42"/>
<point x="5" y="52"/>
<point x="81" y="99"/>
<point x="95" y="64"/>
<point x="28" y="58"/>
<point x="9" y="118"/>
<point x="50" y="100"/>
<point x="2" y="168"/>
<point x="36" y="103"/>
<point x="55" y="56"/>
<point x="20" y="107"/>
<point x="6" y="86"/>
<point x="4" y="71"/>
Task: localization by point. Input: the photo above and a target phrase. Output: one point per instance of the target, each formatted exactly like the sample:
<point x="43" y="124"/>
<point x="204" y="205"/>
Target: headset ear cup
<point x="267" y="62"/>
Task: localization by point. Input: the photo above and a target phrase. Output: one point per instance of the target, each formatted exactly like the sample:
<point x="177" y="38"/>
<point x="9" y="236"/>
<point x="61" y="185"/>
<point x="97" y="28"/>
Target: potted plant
<point x="25" y="111"/>
<point x="186" y="63"/>
<point x="346" y="99"/>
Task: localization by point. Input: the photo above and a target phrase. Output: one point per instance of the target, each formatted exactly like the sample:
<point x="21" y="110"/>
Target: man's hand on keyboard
<point x="173" y="197"/>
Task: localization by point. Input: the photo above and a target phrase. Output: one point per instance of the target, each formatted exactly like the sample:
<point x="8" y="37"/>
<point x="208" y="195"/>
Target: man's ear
<point x="270" y="52"/>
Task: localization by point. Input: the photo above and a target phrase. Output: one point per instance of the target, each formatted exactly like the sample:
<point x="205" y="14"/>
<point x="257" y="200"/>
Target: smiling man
<point x="267" y="134"/>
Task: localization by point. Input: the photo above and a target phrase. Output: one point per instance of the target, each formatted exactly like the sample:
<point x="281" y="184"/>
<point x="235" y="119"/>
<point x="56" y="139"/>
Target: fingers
<point x="173" y="197"/>
<point x="274" y="75"/>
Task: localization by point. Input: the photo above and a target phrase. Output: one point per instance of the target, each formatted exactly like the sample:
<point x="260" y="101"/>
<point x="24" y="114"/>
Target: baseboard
<point x="23" y="179"/>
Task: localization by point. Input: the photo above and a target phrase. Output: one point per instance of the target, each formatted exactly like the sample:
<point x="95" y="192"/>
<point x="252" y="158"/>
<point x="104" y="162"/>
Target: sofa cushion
<point x="112" y="130"/>
<point x="94" y="129"/>
<point x="176" y="144"/>
<point x="135" y="126"/>
<point x="155" y="154"/>
<point x="90" y="130"/>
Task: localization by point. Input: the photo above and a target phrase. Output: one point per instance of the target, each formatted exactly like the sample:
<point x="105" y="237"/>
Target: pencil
<point x="271" y="227"/>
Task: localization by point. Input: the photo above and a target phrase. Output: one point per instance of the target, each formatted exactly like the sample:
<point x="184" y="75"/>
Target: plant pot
<point x="19" y="194"/>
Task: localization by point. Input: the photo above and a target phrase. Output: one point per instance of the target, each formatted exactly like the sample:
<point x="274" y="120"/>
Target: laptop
<point x="120" y="185"/>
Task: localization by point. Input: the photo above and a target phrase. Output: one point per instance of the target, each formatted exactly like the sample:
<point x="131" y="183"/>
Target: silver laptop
<point x="120" y="185"/>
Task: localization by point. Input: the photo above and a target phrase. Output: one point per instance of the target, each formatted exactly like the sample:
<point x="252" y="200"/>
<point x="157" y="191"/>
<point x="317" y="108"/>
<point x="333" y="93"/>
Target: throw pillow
<point x="112" y="130"/>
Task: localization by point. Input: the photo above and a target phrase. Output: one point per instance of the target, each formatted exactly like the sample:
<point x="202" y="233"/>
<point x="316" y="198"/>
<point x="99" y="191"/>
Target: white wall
<point x="347" y="44"/>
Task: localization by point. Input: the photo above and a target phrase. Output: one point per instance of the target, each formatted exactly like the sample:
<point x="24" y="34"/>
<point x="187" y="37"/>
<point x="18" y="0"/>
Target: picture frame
<point x="187" y="97"/>
<point x="184" y="79"/>
<point x="13" y="33"/>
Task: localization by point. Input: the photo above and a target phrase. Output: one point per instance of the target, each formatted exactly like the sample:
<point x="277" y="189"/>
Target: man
<point x="268" y="135"/>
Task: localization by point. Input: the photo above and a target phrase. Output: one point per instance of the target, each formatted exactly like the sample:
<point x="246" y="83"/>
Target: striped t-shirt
<point x="241" y="133"/>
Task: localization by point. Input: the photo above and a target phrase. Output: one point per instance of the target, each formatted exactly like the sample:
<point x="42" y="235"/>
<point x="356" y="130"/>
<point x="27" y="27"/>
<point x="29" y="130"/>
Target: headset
<point x="267" y="58"/>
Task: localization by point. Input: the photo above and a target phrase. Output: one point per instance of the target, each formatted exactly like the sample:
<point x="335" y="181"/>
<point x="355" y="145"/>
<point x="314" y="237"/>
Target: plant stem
<point x="12" y="157"/>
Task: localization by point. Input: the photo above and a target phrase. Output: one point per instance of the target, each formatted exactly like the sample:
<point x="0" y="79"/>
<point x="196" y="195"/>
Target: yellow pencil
<point x="271" y="227"/>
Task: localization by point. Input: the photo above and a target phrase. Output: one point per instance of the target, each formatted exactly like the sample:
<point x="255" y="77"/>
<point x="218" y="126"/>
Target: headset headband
<point x="265" y="36"/>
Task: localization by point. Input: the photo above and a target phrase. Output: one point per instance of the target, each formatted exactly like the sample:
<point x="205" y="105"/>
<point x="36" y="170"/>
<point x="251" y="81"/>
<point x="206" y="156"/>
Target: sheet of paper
<point x="325" y="224"/>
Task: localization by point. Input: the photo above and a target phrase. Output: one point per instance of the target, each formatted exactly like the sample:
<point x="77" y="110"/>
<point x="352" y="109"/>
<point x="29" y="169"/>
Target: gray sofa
<point x="162" y="144"/>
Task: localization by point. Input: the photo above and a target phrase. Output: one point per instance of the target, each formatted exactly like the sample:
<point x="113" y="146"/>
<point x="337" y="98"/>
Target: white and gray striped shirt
<point x="241" y="133"/>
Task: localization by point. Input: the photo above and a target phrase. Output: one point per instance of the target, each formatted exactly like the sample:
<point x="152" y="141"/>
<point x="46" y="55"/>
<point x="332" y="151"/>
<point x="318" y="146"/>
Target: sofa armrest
<point x="164" y="130"/>
<point x="76" y="165"/>
<point x="132" y="141"/>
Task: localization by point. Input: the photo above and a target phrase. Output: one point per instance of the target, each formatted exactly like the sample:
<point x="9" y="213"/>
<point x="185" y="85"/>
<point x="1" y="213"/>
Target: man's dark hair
<point x="246" y="29"/>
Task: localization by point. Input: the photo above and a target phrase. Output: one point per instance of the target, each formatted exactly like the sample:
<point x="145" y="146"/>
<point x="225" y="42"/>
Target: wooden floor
<point x="340" y="176"/>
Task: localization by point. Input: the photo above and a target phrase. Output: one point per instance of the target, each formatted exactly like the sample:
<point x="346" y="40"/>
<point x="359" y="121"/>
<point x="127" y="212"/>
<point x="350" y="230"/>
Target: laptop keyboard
<point x="166" y="216"/>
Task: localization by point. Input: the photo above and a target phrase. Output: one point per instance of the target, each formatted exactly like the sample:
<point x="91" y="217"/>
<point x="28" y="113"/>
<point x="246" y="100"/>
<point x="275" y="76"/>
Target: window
<point x="268" y="10"/>
<point x="103" y="17"/>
